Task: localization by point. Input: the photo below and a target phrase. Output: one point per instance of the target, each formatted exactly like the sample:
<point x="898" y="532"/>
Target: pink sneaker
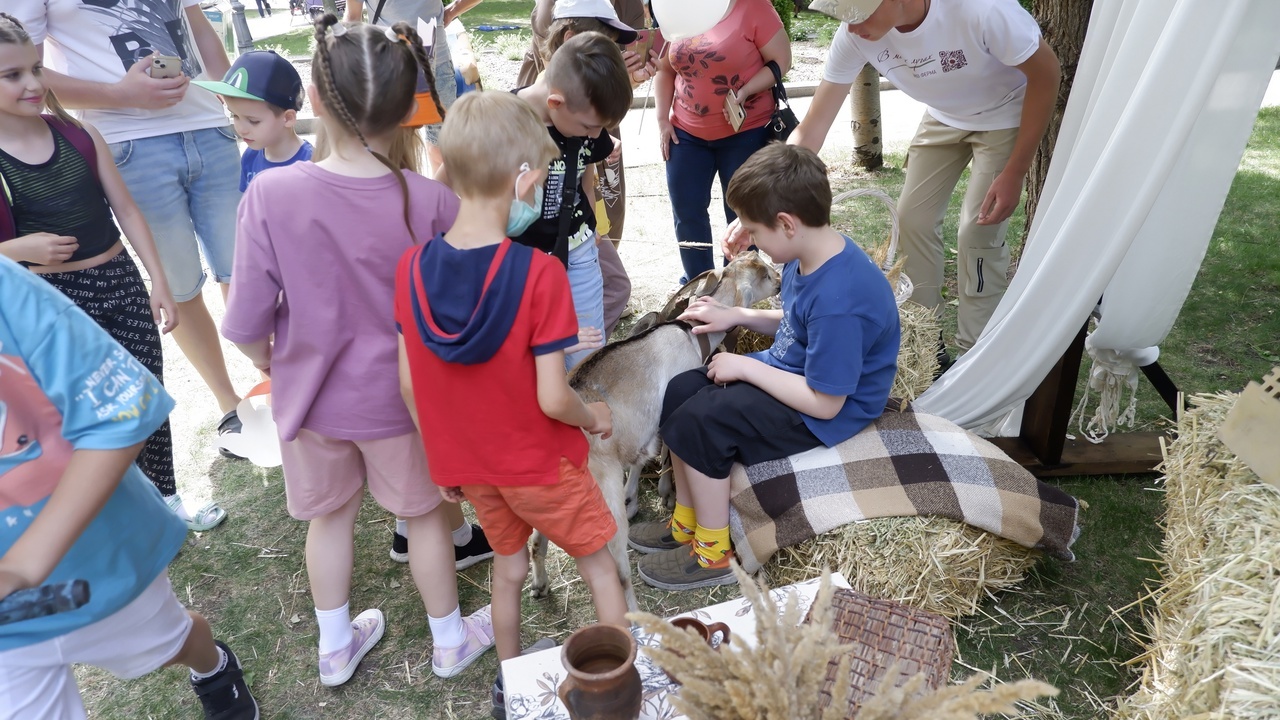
<point x="366" y="630"/>
<point x="478" y="628"/>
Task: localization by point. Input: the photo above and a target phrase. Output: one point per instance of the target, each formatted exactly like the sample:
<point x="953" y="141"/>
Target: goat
<point x="631" y="376"/>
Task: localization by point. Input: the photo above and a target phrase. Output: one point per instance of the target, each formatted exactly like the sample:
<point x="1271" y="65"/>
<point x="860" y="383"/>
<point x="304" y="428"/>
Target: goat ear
<point x="645" y="322"/>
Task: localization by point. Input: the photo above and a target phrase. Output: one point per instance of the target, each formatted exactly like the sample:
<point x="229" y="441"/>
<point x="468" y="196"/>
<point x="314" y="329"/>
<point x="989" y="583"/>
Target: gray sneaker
<point x="679" y="569"/>
<point x="652" y="537"/>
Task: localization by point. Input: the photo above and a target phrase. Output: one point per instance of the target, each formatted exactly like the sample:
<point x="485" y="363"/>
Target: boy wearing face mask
<point x="484" y="323"/>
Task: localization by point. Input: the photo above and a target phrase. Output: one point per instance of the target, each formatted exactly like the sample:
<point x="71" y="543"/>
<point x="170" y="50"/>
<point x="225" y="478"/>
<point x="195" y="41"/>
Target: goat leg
<point x="539" y="585"/>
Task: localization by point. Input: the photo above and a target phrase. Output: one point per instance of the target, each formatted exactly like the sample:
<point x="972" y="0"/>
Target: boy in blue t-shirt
<point x="75" y="408"/>
<point x="826" y="377"/>
<point x="263" y="94"/>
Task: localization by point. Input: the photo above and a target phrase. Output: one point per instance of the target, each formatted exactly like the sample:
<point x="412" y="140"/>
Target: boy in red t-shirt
<point x="484" y="323"/>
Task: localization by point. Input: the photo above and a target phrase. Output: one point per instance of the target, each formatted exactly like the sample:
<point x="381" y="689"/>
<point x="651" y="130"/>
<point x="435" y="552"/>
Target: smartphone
<point x="645" y="41"/>
<point x="165" y="66"/>
<point x="734" y="109"/>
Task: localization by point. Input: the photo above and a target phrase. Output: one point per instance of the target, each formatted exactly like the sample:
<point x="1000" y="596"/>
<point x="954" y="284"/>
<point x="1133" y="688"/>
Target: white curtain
<point x="1164" y="98"/>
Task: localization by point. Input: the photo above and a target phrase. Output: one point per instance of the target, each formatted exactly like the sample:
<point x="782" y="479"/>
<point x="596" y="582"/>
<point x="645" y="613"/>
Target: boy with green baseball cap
<point x="263" y="94"/>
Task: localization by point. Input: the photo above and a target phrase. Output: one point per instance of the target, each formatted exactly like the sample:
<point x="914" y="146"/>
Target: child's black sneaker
<point x="399" y="547"/>
<point x="226" y="696"/>
<point x="473" y="552"/>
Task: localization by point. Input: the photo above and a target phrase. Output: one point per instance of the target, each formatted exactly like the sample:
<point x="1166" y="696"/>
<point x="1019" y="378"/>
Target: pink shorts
<point x="321" y="474"/>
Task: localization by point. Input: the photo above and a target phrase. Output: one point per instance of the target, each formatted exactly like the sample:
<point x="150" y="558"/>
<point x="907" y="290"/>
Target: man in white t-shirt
<point x="990" y="83"/>
<point x="174" y="148"/>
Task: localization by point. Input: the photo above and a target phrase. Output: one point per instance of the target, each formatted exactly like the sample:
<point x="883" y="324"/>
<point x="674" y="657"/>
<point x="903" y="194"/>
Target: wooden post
<point x="868" y="153"/>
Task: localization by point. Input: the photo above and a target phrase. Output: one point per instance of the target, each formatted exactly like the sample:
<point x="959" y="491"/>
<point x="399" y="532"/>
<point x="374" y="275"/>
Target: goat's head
<point x="747" y="280"/>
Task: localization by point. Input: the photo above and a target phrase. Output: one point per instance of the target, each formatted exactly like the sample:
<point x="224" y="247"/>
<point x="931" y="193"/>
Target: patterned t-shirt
<point x="65" y="385"/>
<point x="723" y="58"/>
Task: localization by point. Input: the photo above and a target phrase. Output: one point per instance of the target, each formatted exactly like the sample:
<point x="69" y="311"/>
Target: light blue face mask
<point x="522" y="213"/>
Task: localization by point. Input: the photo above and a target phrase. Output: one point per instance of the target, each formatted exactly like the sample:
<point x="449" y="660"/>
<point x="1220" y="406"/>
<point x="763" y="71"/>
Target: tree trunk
<point x="868" y="153"/>
<point x="331" y="6"/>
<point x="1064" y="23"/>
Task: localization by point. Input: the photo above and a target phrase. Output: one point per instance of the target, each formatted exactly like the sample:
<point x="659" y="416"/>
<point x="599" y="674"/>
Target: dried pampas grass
<point x="781" y="674"/>
<point x="1214" y="649"/>
<point x="930" y="563"/>
<point x="966" y="701"/>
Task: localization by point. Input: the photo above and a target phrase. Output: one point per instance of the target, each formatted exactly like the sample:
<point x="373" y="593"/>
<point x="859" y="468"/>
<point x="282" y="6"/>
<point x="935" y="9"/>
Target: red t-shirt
<point x="481" y="424"/>
<point x="723" y="58"/>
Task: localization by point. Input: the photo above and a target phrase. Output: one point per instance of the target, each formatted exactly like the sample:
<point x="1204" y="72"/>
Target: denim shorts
<point x="187" y="185"/>
<point x="588" y="291"/>
<point x="446" y="90"/>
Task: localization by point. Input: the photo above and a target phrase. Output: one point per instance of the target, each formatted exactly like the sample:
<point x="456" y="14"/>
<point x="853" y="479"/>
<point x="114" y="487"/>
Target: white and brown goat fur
<point x="631" y="376"/>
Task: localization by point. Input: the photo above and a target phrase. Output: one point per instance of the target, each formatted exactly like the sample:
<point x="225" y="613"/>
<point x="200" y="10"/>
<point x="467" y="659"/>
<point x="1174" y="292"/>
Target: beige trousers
<point x="938" y="154"/>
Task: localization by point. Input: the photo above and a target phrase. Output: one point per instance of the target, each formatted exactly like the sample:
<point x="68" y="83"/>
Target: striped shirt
<point x="60" y="196"/>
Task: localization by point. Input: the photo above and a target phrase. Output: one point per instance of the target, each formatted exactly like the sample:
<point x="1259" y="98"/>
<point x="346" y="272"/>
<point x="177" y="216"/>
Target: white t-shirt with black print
<point x="99" y="40"/>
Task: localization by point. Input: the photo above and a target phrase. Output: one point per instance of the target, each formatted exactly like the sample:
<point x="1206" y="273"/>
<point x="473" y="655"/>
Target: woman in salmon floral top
<point x="694" y="76"/>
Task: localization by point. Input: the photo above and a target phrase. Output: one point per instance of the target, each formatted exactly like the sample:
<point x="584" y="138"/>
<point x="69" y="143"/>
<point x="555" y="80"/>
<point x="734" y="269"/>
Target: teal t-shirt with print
<point x="65" y="385"/>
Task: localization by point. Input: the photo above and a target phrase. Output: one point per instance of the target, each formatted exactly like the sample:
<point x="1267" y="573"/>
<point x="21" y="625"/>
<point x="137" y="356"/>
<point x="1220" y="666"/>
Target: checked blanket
<point x="905" y="463"/>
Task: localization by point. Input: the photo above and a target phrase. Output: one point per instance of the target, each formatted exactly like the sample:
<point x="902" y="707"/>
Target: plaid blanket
<point x="905" y="463"/>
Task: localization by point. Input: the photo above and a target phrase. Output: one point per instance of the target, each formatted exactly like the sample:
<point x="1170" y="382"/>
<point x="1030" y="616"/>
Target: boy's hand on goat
<point x="710" y="315"/>
<point x="725" y="368"/>
<point x="589" y="338"/>
<point x="601" y="420"/>
<point x="452" y="494"/>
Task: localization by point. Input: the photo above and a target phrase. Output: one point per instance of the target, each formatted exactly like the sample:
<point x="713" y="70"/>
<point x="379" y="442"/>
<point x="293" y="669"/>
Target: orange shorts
<point x="572" y="513"/>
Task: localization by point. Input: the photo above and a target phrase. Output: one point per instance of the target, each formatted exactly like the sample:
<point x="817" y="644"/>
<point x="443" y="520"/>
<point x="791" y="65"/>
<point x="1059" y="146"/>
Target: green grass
<point x="1062" y="626"/>
<point x="814" y="27"/>
<point x="297" y="43"/>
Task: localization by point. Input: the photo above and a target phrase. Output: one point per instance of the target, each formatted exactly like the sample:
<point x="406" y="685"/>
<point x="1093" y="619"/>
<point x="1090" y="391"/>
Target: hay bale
<point x="1214" y="649"/>
<point x="931" y="563"/>
<point x="917" y="355"/>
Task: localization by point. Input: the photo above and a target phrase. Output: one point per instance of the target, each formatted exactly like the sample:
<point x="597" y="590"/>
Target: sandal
<point x="230" y="425"/>
<point x="206" y="518"/>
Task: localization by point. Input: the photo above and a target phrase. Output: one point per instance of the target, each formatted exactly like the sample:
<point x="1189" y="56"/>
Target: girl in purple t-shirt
<point x="316" y="252"/>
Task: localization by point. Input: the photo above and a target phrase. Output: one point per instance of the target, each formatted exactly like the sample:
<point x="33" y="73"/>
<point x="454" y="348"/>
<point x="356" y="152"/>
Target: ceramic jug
<point x="603" y="683"/>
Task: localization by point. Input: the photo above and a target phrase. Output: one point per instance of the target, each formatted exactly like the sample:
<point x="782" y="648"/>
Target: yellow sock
<point x="712" y="547"/>
<point x="683" y="524"/>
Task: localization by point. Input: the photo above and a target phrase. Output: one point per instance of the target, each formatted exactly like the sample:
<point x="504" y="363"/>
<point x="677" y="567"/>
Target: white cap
<point x="601" y="10"/>
<point x="849" y="11"/>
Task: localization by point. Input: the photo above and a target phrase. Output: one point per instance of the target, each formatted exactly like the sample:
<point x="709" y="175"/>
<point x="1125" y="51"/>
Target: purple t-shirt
<point x="315" y="265"/>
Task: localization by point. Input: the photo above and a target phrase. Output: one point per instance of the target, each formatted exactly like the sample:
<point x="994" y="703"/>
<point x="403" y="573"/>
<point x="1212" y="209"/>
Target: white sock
<point x="335" y="628"/>
<point x="462" y="535"/>
<point x="179" y="507"/>
<point x="222" y="665"/>
<point x="448" y="631"/>
<point x="402" y="528"/>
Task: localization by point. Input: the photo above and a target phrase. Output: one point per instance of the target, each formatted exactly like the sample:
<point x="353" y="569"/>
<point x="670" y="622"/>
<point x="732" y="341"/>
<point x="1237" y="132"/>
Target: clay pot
<point x="603" y="683"/>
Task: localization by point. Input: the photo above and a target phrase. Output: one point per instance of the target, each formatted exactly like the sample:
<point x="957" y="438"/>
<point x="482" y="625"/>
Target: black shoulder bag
<point x="784" y="119"/>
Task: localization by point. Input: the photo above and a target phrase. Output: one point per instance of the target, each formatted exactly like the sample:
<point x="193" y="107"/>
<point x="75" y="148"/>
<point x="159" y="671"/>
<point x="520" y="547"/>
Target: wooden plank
<point x="1120" y="454"/>
<point x="1048" y="411"/>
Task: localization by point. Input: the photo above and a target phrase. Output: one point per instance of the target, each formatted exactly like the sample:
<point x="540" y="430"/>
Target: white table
<point x="532" y="680"/>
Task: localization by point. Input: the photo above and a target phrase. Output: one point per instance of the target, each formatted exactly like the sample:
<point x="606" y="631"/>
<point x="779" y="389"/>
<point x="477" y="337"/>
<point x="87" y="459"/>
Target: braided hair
<point x="366" y="77"/>
<point x="12" y="33"/>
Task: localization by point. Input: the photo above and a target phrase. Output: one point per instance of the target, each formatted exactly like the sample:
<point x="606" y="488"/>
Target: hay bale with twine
<point x="931" y="563"/>
<point x="1214" y="649"/>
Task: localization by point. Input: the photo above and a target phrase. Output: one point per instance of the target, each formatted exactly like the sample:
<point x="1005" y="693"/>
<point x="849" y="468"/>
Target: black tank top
<point x="60" y="196"/>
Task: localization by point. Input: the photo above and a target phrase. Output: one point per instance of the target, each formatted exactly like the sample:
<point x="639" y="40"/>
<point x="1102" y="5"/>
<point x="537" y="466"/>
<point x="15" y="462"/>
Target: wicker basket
<point x="880" y="633"/>
<point x="902" y="290"/>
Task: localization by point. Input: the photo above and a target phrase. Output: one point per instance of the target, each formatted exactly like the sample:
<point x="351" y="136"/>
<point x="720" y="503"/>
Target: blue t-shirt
<point x="65" y="385"/>
<point x="255" y="161"/>
<point x="840" y="330"/>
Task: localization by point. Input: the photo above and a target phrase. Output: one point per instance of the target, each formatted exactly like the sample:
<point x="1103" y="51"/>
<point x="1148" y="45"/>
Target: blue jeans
<point x="693" y="164"/>
<point x="587" y="285"/>
<point x="187" y="185"/>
